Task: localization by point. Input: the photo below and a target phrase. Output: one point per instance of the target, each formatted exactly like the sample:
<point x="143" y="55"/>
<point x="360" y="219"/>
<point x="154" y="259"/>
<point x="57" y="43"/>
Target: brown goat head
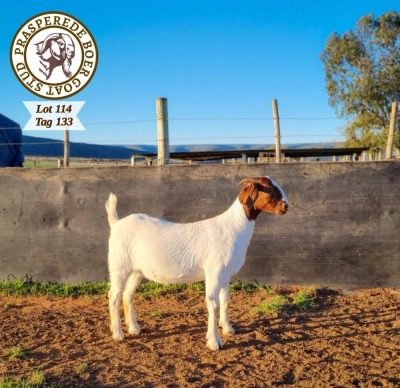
<point x="262" y="194"/>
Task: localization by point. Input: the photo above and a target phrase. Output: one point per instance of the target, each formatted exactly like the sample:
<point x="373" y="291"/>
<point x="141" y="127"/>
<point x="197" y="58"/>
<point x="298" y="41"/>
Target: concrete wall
<point x="342" y="228"/>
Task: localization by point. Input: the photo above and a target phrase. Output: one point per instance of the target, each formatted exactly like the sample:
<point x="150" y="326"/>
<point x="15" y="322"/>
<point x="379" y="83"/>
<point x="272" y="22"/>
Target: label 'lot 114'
<point x="58" y="109"/>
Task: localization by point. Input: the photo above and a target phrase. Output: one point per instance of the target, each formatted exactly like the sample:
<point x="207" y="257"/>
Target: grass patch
<point x="27" y="286"/>
<point x="15" y="383"/>
<point x="302" y="300"/>
<point x="273" y="306"/>
<point x="41" y="164"/>
<point x="81" y="368"/>
<point x="35" y="380"/>
<point x="151" y="289"/>
<point x="249" y="287"/>
<point x="156" y="314"/>
<point x="15" y="353"/>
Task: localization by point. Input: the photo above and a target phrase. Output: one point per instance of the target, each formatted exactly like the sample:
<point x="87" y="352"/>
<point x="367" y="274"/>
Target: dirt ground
<point x="352" y="339"/>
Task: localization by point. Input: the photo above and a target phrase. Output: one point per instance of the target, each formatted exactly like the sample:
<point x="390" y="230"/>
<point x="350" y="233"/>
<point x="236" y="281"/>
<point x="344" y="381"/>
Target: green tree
<point x="362" y="69"/>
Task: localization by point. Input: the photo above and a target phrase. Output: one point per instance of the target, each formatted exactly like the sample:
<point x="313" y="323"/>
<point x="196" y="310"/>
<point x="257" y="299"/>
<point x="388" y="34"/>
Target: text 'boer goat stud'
<point x="213" y="250"/>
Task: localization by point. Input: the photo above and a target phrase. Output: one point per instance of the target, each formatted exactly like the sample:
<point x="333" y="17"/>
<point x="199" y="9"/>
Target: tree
<point x="362" y="69"/>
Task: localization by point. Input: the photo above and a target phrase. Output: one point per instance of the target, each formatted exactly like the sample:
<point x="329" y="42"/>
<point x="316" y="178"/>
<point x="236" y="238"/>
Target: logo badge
<point x="54" y="55"/>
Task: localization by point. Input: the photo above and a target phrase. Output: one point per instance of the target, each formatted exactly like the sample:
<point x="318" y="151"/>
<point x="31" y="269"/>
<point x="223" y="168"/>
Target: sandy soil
<point x="349" y="340"/>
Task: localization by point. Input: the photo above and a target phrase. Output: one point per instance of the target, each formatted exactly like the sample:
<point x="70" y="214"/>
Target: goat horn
<point x="46" y="43"/>
<point x="249" y="180"/>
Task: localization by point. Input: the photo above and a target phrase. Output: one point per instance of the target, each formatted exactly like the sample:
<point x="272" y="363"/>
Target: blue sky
<point x="219" y="63"/>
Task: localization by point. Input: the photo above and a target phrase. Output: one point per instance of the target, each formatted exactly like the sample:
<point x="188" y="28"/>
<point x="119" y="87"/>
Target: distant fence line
<point x="138" y="160"/>
<point x="341" y="229"/>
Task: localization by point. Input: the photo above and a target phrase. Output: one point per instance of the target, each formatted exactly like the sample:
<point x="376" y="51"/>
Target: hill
<point x="37" y="146"/>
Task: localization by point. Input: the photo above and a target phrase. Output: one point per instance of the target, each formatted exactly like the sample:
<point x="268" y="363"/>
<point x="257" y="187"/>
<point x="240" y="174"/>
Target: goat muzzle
<point x="282" y="208"/>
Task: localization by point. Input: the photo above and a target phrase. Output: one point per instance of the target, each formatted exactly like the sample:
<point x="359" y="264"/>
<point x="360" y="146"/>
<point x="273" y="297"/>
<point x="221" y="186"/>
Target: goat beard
<point x="66" y="65"/>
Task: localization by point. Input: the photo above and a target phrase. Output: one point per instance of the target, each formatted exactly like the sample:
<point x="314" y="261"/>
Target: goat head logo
<point x="54" y="55"/>
<point x="56" y="50"/>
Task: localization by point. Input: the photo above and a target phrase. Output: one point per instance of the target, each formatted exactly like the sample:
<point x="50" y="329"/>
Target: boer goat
<point x="213" y="250"/>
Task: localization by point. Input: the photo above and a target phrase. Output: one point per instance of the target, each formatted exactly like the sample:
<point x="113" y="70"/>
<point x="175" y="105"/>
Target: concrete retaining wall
<point x="342" y="228"/>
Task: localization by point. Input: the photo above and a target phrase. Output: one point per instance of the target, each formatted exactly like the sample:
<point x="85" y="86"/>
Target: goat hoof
<point x="214" y="345"/>
<point x="227" y="328"/>
<point x="134" y="330"/>
<point x="118" y="337"/>
<point x="228" y="331"/>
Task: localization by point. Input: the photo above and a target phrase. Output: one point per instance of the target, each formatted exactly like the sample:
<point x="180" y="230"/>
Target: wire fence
<point x="136" y="140"/>
<point x="256" y="135"/>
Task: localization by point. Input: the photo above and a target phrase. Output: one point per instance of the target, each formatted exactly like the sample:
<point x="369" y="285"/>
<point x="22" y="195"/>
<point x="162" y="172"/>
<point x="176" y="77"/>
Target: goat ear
<point x="248" y="195"/>
<point x="265" y="181"/>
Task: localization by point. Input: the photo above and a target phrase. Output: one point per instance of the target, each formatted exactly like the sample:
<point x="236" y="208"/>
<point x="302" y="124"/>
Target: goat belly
<point x="169" y="279"/>
<point x="168" y="253"/>
<point x="163" y="269"/>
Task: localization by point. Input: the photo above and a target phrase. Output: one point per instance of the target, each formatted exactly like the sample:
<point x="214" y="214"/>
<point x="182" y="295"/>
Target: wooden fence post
<point x="66" y="148"/>
<point x="162" y="131"/>
<point x="392" y="127"/>
<point x="277" y="131"/>
<point x="364" y="156"/>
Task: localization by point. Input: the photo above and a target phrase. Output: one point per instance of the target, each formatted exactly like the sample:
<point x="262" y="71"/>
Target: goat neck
<point x="236" y="217"/>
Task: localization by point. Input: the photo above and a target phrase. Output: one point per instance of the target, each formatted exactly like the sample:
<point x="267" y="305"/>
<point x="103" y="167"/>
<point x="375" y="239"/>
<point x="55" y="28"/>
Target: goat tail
<point x="111" y="208"/>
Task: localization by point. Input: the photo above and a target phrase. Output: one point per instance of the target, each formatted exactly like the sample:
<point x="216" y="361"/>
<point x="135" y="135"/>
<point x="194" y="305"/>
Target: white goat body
<point x="141" y="246"/>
